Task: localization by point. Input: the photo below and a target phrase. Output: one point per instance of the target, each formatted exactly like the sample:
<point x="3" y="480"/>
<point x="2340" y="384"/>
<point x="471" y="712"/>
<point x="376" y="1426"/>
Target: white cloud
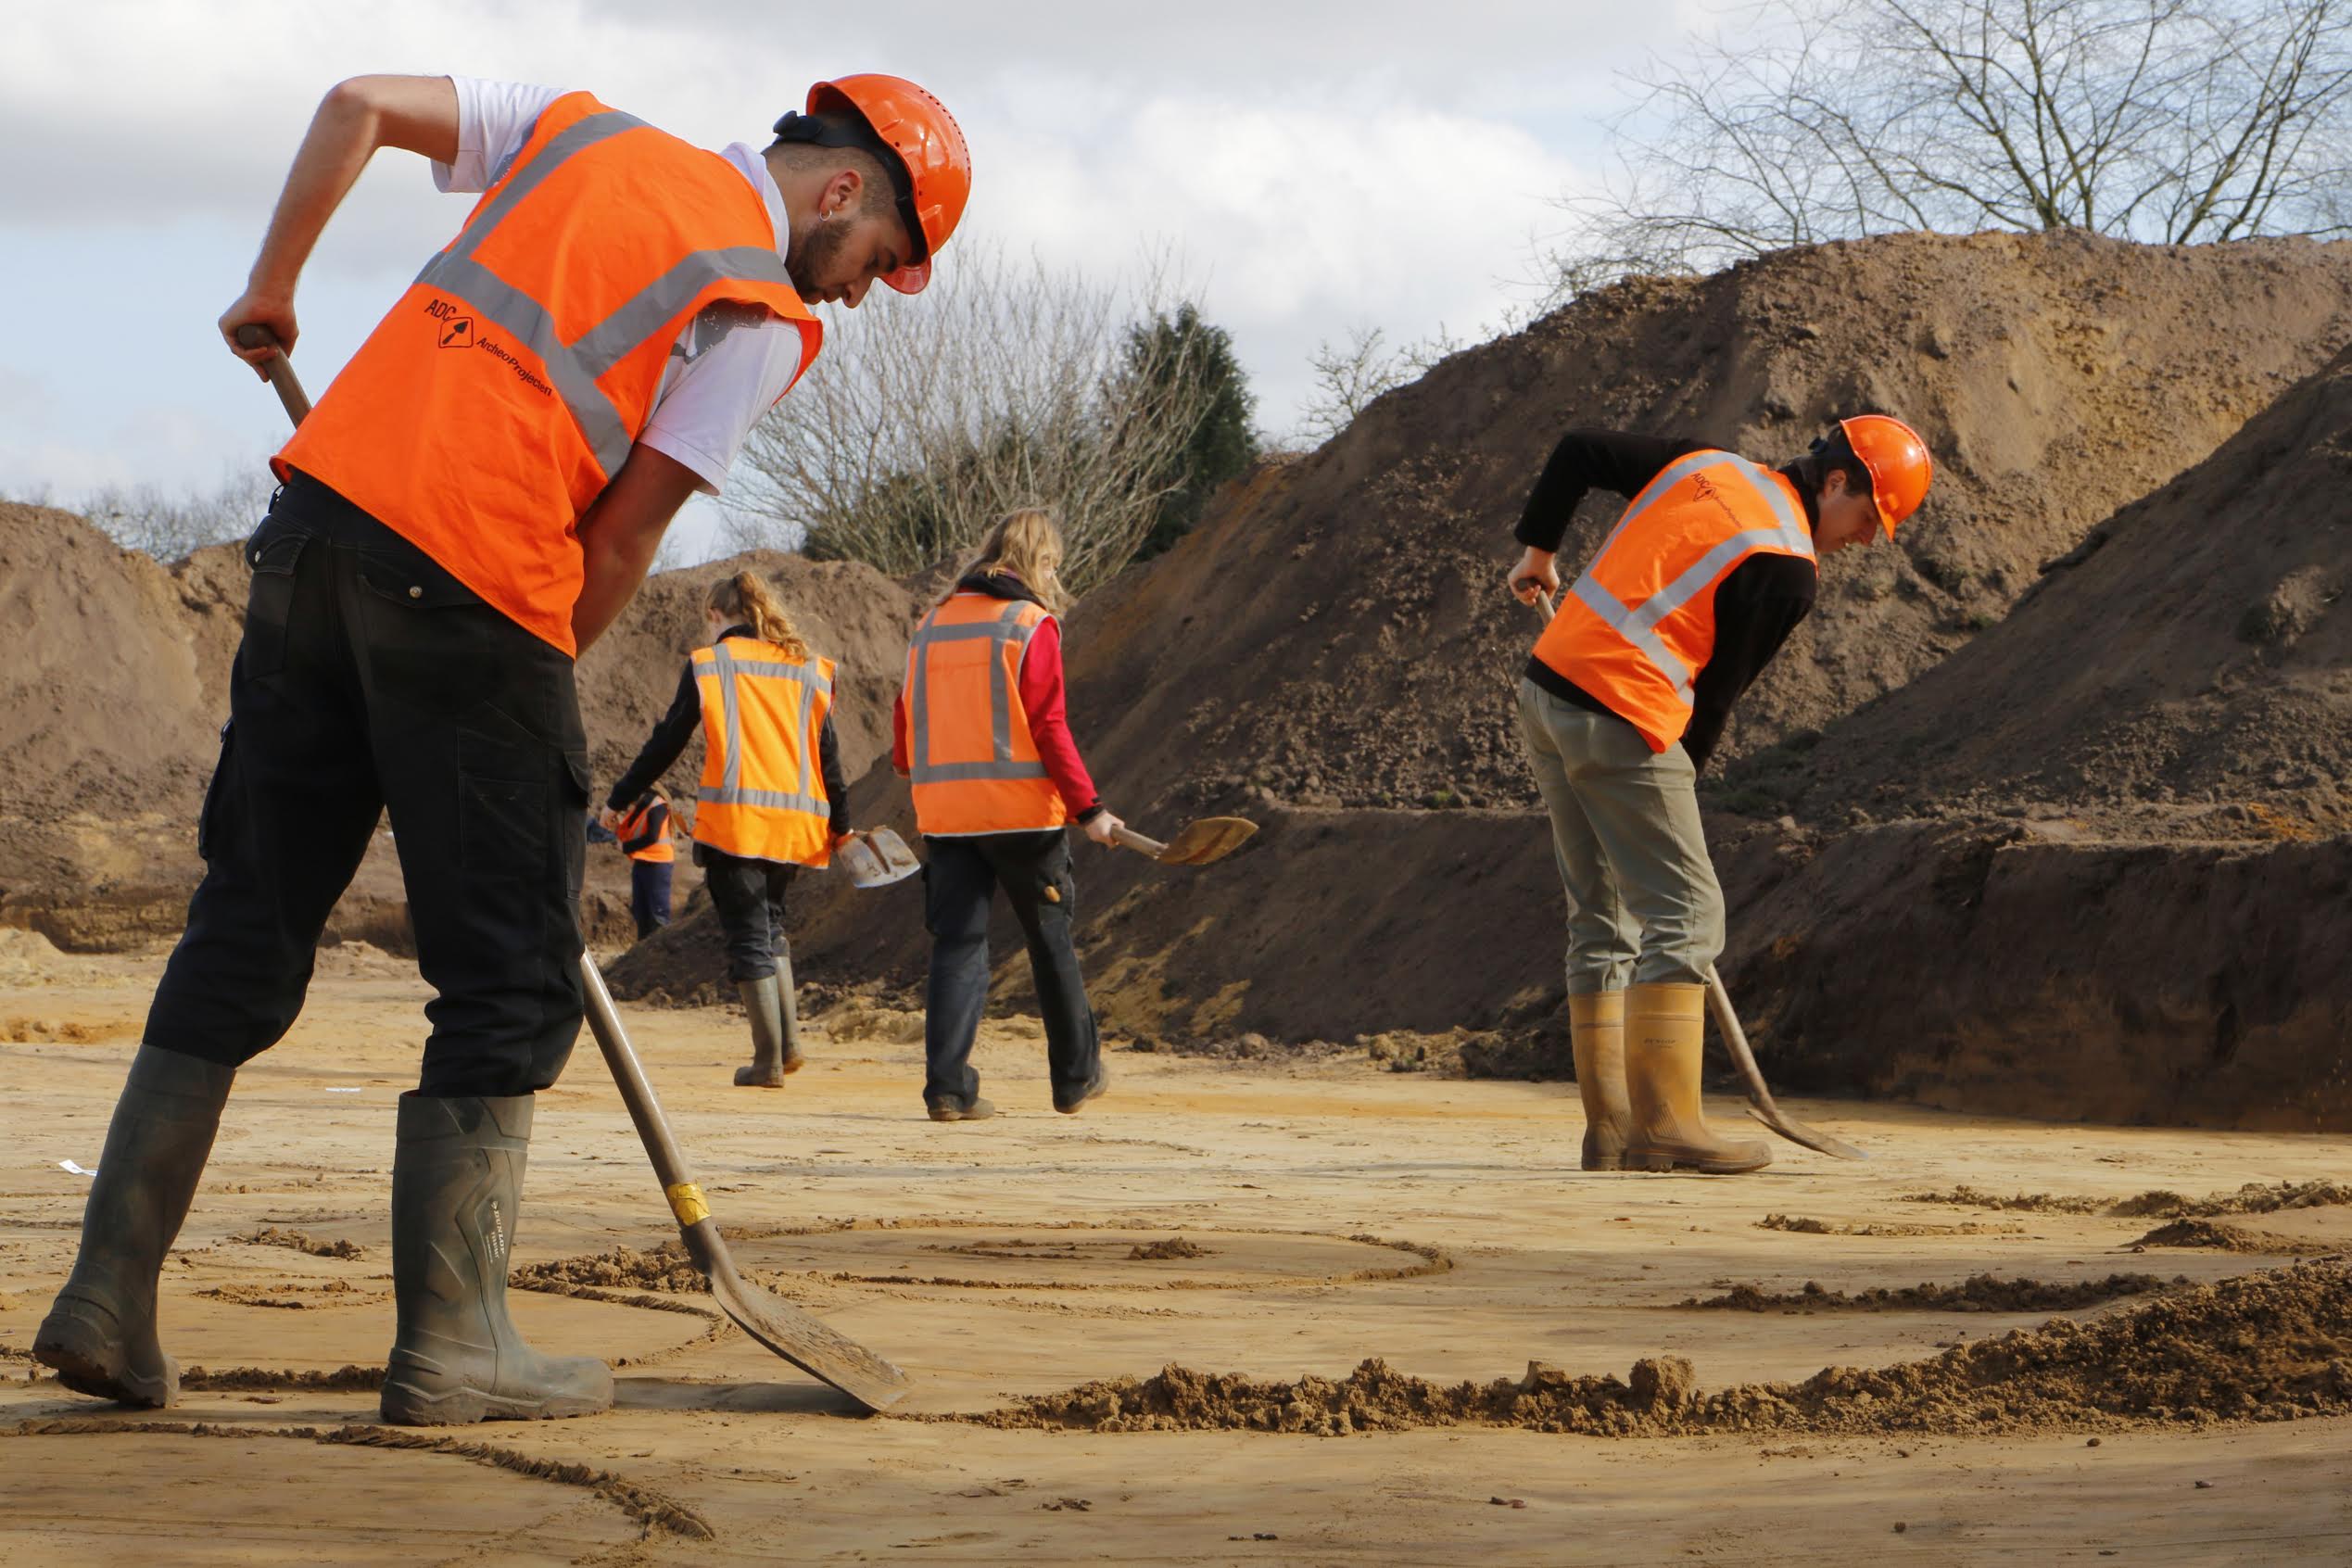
<point x="1315" y="166"/>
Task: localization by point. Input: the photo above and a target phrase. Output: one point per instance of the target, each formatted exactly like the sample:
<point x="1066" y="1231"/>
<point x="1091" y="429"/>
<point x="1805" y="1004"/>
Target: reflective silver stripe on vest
<point x="573" y="368"/>
<point x="1005" y="629"/>
<point x="1637" y="626"/>
<point x="729" y="790"/>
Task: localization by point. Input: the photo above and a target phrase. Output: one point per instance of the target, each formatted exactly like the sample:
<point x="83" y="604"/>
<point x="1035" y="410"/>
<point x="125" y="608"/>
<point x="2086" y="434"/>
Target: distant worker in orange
<point x="981" y="731"/>
<point x="1693" y="591"/>
<point x="644" y="833"/>
<point x="771" y="799"/>
<point x="473" y="499"/>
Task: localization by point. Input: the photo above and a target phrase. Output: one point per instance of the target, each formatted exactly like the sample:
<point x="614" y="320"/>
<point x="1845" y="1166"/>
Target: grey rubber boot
<point x="100" y="1333"/>
<point x="457" y="1177"/>
<point x="776" y="1028"/>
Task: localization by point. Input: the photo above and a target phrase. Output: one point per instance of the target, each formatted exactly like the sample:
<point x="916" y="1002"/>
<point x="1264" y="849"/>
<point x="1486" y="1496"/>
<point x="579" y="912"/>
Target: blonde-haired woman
<point x="981" y="732"/>
<point x="771" y="799"/>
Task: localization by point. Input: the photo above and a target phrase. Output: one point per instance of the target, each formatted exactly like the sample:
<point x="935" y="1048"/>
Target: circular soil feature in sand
<point x="1086" y="1258"/>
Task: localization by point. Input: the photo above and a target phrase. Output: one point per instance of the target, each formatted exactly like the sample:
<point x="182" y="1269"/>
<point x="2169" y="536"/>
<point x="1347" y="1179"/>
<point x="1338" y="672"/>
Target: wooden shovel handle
<point x="278" y="368"/>
<point x="1134" y="840"/>
<point x="637" y="1093"/>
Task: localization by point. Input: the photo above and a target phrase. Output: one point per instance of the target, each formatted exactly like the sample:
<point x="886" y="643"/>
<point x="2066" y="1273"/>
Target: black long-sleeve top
<point x="1757" y="605"/>
<point x="676" y="730"/>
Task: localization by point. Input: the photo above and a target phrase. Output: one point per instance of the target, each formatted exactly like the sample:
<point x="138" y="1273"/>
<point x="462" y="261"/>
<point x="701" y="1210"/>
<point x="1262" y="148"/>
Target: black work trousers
<point x="959" y="877"/>
<point x="749" y="897"/>
<point x="369" y="678"/>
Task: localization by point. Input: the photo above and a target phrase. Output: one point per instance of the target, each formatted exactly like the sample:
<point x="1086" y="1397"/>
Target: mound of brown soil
<point x="2273" y="1347"/>
<point x="1977" y="1292"/>
<point x="2187" y="666"/>
<point x="1338" y="633"/>
<point x="112" y="702"/>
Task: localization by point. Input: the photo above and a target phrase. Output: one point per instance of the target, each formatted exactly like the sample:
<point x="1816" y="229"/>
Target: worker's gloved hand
<point x="1102" y="826"/>
<point x="1534" y="575"/>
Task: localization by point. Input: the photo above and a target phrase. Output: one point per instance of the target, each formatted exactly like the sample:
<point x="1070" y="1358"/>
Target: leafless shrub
<point x="1348" y="379"/>
<point x="168" y="525"/>
<point x="1007" y="383"/>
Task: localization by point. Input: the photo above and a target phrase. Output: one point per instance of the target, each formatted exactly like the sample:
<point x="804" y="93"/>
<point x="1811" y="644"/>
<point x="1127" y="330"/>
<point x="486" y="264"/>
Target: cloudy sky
<point x="1314" y="167"/>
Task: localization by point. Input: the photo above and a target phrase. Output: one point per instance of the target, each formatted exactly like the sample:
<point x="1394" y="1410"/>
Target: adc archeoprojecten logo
<point x="457" y="330"/>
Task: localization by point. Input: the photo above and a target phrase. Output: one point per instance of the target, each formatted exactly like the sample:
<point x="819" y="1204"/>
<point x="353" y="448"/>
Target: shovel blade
<point x="877" y="858"/>
<point x="799" y="1336"/>
<point x="1211" y="838"/>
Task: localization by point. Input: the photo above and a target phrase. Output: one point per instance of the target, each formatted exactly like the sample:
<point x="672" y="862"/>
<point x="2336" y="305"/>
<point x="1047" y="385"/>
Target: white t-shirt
<point x="731" y="363"/>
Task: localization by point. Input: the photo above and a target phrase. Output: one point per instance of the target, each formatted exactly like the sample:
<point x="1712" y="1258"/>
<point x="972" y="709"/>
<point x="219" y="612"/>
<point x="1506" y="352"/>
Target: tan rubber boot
<point x="1596" y="1031"/>
<point x="1664" y="1025"/>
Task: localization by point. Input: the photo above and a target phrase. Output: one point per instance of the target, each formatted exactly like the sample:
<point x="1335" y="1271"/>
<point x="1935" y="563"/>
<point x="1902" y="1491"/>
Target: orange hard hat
<point x="1898" y="461"/>
<point x="934" y="177"/>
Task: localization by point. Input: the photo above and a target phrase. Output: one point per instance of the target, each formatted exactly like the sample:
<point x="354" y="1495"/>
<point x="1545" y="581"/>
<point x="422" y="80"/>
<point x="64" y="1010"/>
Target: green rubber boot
<point x="100" y="1334"/>
<point x="456" y="1177"/>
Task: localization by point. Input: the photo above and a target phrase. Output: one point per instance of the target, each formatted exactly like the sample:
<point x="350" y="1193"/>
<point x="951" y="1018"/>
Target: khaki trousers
<point x="1644" y="907"/>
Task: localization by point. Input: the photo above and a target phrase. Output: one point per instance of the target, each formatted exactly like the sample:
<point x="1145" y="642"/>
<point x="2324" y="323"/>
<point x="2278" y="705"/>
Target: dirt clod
<point x="302" y="1241"/>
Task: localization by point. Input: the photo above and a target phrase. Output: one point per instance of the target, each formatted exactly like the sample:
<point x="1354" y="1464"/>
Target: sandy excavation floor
<point x="1329" y="1212"/>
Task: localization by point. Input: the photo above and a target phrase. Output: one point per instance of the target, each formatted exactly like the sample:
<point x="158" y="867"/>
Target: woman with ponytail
<point x="980" y="731"/>
<point x="771" y="795"/>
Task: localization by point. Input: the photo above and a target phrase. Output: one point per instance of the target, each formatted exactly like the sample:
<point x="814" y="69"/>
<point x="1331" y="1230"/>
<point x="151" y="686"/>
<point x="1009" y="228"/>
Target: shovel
<point x="876" y="858"/>
<point x="1735" y="1039"/>
<point x="1760" y="1103"/>
<point x="1211" y="838"/>
<point x="798" y="1336"/>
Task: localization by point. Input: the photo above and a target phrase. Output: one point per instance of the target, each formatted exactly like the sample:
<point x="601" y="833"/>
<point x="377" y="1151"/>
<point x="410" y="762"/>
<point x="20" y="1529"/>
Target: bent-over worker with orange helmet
<point x="772" y="798"/>
<point x="471" y="503"/>
<point x="1691" y="593"/>
<point x="981" y="732"/>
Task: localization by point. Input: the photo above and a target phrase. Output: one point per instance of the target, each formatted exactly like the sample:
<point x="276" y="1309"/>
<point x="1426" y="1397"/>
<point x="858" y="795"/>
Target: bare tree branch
<point x="1798" y="121"/>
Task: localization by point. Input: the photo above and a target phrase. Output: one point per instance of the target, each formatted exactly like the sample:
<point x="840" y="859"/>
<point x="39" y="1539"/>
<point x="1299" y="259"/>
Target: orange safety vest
<point x="504" y="390"/>
<point x="645" y="840"/>
<point x="971" y="759"/>
<point x="763" y="793"/>
<point x="1638" y="627"/>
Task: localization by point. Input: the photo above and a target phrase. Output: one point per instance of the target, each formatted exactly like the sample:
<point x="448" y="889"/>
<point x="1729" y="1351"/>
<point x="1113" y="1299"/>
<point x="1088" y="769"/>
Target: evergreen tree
<point x="1222" y="445"/>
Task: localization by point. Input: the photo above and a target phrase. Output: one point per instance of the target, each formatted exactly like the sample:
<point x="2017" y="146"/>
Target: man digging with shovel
<point x="473" y="501"/>
<point x="1692" y="592"/>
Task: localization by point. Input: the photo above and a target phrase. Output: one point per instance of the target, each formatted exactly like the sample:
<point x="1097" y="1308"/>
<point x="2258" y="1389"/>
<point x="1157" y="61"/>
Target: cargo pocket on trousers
<point x="273" y="553"/>
<point x="215" y="794"/>
<point x="501" y="827"/>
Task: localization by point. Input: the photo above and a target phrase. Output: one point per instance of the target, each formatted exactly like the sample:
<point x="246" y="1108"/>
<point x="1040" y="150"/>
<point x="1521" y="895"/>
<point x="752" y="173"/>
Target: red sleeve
<point x="898" y="735"/>
<point x="1049" y="719"/>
